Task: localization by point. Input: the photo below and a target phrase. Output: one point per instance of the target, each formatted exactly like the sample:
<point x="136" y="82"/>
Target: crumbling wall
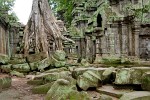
<point x="3" y="37"/>
<point x="115" y="25"/>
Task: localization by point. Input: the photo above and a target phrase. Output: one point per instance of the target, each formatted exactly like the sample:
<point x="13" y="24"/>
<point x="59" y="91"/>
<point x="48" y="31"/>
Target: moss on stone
<point x="146" y="81"/>
<point x="89" y="79"/>
<point x="21" y="67"/>
<point x="111" y="60"/>
<point x="36" y="57"/>
<point x="35" y="82"/>
<point x="74" y="95"/>
<point x="123" y="76"/>
<point x="17" y="61"/>
<point x="57" y="63"/>
<point x="15" y="73"/>
<point x="59" y="89"/>
<point x="59" y="55"/>
<point x="4" y="59"/>
<point x="42" y="89"/>
<point x="6" y="68"/>
<point x="5" y="82"/>
<point x="56" y="70"/>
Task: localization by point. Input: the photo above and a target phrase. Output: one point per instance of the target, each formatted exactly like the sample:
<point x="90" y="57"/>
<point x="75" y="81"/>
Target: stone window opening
<point x="99" y="20"/>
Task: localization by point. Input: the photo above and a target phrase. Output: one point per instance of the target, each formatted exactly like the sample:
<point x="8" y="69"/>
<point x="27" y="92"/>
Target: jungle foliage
<point x="63" y="9"/>
<point x="6" y="11"/>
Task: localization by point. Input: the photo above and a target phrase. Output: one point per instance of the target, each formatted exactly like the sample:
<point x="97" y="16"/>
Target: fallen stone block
<point x="17" y="61"/>
<point x="40" y="65"/>
<point x="79" y="71"/>
<point x="108" y="71"/>
<point x="15" y="73"/>
<point x="130" y="75"/>
<point x="59" y="55"/>
<point x="123" y="76"/>
<point x="146" y="81"/>
<point x="6" y="68"/>
<point x="109" y="90"/>
<point x="89" y="79"/>
<point x="4" y="59"/>
<point x="5" y="82"/>
<point x="17" y="56"/>
<point x="84" y="62"/>
<point x="44" y="64"/>
<point x="60" y="89"/>
<point x="36" y="57"/>
<point x="50" y="77"/>
<point x="54" y="76"/>
<point x="34" y="65"/>
<point x="56" y="70"/>
<point x="105" y="97"/>
<point x="106" y="75"/>
<point x="137" y="73"/>
<point x="74" y="95"/>
<point x="137" y="95"/>
<point x="143" y="69"/>
<point x="21" y="67"/>
<point x="36" y="82"/>
<point x="111" y="60"/>
<point x="57" y="63"/>
<point x="42" y="89"/>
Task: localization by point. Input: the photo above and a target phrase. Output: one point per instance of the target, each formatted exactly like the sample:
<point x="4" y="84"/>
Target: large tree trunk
<point x="41" y="29"/>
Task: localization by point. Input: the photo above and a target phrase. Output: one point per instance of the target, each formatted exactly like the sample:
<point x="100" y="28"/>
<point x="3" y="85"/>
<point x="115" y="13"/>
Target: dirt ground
<point x="20" y="90"/>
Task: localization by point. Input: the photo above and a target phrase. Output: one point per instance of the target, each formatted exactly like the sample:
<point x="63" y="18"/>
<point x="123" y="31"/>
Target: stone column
<point x="124" y="39"/>
<point x="116" y="38"/>
<point x="104" y="44"/>
<point x="120" y="37"/>
<point x="130" y="44"/>
<point x="136" y="34"/>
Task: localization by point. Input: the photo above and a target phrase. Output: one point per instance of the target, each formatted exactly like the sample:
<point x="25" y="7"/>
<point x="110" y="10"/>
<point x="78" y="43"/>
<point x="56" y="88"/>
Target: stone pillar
<point x="2" y="39"/>
<point x="83" y="47"/>
<point x="130" y="44"/>
<point x="87" y="45"/>
<point x="104" y="43"/>
<point x="124" y="39"/>
<point x="114" y="28"/>
<point x="120" y="37"/>
<point x="136" y="34"/>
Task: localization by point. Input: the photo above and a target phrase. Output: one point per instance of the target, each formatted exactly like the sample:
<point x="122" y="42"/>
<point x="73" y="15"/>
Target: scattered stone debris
<point x="5" y="82"/>
<point x="99" y="29"/>
<point x="4" y="59"/>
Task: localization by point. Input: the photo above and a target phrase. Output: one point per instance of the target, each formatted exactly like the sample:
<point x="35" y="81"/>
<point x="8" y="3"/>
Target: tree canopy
<point x="6" y="10"/>
<point x="63" y="9"/>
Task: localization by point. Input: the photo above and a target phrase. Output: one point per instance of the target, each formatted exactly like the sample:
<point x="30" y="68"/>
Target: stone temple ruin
<point x="112" y="40"/>
<point x="10" y="37"/>
<point x="106" y="27"/>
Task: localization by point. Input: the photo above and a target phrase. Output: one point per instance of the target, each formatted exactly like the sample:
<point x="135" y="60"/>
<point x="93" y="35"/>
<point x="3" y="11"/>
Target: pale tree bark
<point x="42" y="28"/>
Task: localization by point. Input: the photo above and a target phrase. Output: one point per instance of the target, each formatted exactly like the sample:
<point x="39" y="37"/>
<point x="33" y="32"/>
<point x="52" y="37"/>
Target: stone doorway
<point x="99" y="20"/>
<point x="144" y="46"/>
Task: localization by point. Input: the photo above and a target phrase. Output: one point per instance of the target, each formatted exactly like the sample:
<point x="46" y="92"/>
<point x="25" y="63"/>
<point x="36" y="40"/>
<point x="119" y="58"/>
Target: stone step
<point x="136" y="95"/>
<point x="109" y="90"/>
